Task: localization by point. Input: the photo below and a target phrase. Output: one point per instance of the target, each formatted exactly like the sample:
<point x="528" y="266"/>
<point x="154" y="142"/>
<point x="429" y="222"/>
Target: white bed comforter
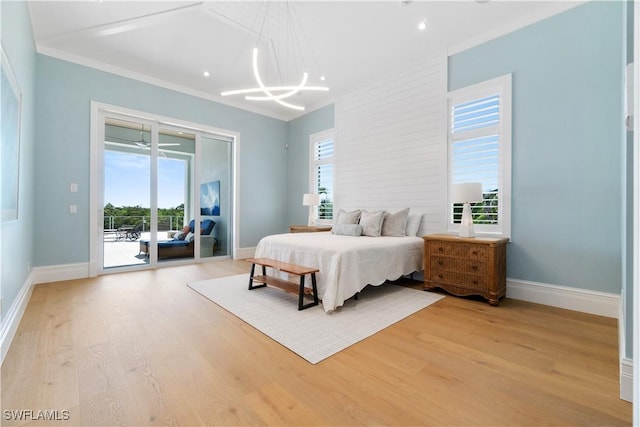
<point x="347" y="264"/>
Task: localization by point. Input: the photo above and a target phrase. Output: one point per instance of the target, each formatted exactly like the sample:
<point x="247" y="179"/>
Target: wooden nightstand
<point x="466" y="266"/>
<point x="308" y="228"/>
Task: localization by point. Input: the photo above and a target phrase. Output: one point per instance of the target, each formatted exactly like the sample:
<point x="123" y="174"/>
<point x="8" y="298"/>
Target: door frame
<point x="636" y="214"/>
<point x="96" y="165"/>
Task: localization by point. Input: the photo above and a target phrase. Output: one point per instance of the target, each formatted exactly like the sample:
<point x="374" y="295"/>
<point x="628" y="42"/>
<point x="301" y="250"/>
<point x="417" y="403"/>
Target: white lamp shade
<point x="466" y="192"/>
<point x="310" y="199"/>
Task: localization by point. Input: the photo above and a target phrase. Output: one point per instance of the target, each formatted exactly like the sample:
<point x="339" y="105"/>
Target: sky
<point x="127" y="180"/>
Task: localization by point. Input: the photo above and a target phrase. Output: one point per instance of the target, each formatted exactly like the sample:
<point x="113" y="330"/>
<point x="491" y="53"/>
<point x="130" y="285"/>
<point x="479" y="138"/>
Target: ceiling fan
<point x="142" y="143"/>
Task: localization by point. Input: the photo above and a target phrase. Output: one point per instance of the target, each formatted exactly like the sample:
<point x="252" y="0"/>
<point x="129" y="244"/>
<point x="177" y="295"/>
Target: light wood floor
<point x="143" y="349"/>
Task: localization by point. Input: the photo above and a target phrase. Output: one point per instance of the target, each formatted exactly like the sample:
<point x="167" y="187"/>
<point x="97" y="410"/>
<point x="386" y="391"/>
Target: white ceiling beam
<point x="125" y="25"/>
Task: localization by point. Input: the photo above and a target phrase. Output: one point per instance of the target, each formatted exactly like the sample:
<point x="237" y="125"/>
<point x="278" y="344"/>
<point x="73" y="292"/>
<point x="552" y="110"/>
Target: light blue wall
<point x="567" y="143"/>
<point x="16" y="254"/>
<point x="65" y="91"/>
<point x="298" y="159"/>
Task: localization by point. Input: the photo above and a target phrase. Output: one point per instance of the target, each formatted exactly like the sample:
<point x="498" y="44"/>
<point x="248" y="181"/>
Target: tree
<point x="115" y="217"/>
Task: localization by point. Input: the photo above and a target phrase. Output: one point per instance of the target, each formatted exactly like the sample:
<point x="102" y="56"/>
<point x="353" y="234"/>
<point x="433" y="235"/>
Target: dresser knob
<point x="474" y="252"/>
<point x="440" y="263"/>
<point x="440" y="249"/>
<point x="475" y="267"/>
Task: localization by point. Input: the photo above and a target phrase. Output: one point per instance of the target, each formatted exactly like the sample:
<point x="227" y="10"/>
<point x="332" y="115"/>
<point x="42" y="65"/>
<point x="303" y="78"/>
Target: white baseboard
<point x="12" y="319"/>
<point x="583" y="300"/>
<point x="242" y="253"/>
<point x="626" y="364"/>
<point x="56" y="273"/>
<point x="626" y="379"/>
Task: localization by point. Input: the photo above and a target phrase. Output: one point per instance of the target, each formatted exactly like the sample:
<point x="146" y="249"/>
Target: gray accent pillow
<point x="347" y="229"/>
<point x="345" y="217"/>
<point x="371" y="223"/>
<point x="395" y="224"/>
<point x="413" y="224"/>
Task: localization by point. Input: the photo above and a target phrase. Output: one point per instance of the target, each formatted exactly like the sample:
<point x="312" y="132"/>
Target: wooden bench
<point x="296" y="288"/>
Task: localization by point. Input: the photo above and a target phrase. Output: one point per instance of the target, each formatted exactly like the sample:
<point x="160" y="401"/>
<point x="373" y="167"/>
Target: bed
<point x="347" y="264"/>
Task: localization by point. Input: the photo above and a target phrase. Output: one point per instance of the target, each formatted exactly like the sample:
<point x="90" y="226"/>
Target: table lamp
<point x="311" y="200"/>
<point x="465" y="193"/>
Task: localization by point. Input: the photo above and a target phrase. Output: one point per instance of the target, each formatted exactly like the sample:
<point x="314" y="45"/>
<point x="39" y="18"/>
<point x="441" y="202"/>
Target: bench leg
<point x="301" y="305"/>
<point x="301" y="293"/>
<point x="253" y="269"/>
<point x="315" y="288"/>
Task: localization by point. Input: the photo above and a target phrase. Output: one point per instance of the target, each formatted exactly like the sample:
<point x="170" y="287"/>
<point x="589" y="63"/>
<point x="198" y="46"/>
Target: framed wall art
<point x="210" y="198"/>
<point x="10" y="110"/>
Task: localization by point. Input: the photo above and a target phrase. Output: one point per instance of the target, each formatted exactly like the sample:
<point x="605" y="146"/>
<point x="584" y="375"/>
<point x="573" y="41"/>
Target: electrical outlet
<point x="73" y="187"/>
<point x="73" y="208"/>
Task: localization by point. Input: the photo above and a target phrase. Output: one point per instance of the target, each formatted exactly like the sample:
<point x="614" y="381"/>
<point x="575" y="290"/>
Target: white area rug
<point x="312" y="333"/>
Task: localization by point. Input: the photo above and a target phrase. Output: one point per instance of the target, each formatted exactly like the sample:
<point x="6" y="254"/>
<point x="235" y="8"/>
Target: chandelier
<point x="283" y="48"/>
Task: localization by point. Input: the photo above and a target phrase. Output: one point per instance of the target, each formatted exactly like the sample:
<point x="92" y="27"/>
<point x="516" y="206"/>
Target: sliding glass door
<point x="175" y="207"/>
<point x="166" y="193"/>
<point x="215" y="189"/>
<point x="127" y="191"/>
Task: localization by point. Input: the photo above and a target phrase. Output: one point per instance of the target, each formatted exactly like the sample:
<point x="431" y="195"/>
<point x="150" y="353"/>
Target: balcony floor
<point x="119" y="253"/>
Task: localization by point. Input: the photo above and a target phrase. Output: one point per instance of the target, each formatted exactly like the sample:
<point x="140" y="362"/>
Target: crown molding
<point x="511" y="26"/>
<point x="144" y="78"/>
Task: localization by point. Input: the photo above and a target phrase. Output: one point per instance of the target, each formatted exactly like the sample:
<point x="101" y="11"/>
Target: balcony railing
<point x="165" y="223"/>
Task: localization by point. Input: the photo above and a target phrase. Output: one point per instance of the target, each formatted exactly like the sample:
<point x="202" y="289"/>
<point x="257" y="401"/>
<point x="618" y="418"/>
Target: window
<point x="479" y="138"/>
<point x="321" y="165"/>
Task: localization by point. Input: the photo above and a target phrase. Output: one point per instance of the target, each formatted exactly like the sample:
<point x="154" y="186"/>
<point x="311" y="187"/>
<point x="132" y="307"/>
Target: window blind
<point x="323" y="149"/>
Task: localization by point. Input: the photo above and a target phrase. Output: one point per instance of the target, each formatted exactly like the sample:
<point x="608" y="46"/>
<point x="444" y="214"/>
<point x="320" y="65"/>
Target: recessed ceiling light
<point x="206" y="74"/>
<point x="323" y="78"/>
<point x="422" y="25"/>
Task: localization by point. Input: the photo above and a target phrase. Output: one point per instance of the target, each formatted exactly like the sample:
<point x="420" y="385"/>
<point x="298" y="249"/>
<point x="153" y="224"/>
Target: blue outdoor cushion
<point x="207" y="225"/>
<point x="172" y="243"/>
<point x="167" y="243"/>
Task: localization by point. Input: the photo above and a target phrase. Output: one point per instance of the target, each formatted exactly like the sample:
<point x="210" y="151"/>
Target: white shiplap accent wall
<point x="391" y="143"/>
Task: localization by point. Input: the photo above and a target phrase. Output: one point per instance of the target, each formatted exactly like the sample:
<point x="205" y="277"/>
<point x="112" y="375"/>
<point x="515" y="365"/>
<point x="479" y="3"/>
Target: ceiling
<point x="172" y="43"/>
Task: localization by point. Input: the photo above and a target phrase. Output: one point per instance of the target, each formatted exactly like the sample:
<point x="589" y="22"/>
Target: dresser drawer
<point x="459" y="250"/>
<point x="458" y="265"/>
<point x="447" y="249"/>
<point x="476" y="252"/>
<point x="470" y="281"/>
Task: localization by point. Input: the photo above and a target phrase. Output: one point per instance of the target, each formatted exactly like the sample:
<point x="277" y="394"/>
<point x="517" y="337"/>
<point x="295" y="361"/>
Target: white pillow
<point x="413" y="224"/>
<point x="347" y="229"/>
<point x="345" y="217"/>
<point x="395" y="224"/>
<point x="371" y="223"/>
<point x="189" y="237"/>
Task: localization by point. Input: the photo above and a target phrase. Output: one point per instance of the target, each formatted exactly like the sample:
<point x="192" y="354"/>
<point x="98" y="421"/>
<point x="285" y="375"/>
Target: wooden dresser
<point x="466" y="266"/>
